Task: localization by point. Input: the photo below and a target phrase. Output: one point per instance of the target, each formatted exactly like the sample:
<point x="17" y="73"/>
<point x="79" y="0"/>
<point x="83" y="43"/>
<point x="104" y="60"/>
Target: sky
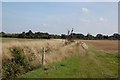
<point x="58" y="17"/>
<point x="59" y="0"/>
<point x="0" y="16"/>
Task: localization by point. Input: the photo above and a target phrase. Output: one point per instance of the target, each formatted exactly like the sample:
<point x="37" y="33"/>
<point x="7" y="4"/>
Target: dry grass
<point x="63" y="52"/>
<point x="55" y="50"/>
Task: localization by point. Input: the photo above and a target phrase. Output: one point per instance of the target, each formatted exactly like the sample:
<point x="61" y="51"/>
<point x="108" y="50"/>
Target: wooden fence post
<point x="43" y="56"/>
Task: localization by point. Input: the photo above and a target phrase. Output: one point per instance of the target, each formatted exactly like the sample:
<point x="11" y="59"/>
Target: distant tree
<point x="89" y="36"/>
<point x="106" y="37"/>
<point x="70" y="36"/>
<point x="116" y="36"/>
<point x="29" y="34"/>
<point x="99" y="36"/>
<point x="37" y="35"/>
<point x="22" y="35"/>
<point x="78" y="36"/>
<point x="45" y="35"/>
<point x="3" y="33"/>
<point x="63" y="36"/>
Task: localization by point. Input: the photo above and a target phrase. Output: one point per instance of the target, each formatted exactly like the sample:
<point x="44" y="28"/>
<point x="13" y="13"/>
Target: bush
<point x="18" y="57"/>
<point x="16" y="66"/>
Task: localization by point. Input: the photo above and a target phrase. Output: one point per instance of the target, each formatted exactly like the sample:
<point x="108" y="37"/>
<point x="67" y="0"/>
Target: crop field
<point x="107" y="45"/>
<point x="62" y="60"/>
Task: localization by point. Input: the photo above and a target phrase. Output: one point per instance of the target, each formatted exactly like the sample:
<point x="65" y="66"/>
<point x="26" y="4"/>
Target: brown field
<point x="107" y="45"/>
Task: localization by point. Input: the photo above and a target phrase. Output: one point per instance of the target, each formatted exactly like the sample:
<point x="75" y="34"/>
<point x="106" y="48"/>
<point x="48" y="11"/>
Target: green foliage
<point x="35" y="35"/>
<point x="63" y="36"/>
<point x="11" y="70"/>
<point x="19" y="58"/>
<point x="99" y="36"/>
<point x="89" y="37"/>
<point x="40" y="35"/>
<point x="115" y="36"/>
<point x="16" y="66"/>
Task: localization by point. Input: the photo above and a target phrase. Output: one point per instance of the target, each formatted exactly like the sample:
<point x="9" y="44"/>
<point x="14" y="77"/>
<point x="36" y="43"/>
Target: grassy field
<point x="63" y="61"/>
<point x="91" y="64"/>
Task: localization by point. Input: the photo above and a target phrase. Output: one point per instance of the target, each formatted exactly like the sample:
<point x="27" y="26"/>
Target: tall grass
<point x="22" y="55"/>
<point x="93" y="63"/>
<point x="16" y="52"/>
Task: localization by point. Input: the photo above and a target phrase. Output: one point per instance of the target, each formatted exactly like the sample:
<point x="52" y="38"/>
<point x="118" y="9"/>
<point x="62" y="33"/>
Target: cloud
<point x="103" y="19"/>
<point x="85" y="10"/>
<point x="44" y="24"/>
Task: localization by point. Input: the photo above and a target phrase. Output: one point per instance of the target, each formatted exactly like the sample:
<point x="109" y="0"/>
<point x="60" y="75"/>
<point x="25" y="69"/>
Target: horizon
<point x="59" y="17"/>
<point x="61" y="33"/>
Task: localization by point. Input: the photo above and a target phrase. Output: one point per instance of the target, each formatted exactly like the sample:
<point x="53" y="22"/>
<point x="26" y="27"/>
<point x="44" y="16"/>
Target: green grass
<point x="91" y="64"/>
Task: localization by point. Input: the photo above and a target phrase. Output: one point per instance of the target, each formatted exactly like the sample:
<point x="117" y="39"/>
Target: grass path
<point x="91" y="64"/>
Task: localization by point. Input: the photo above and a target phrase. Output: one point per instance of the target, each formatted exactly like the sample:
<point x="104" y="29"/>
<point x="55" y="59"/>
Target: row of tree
<point x="40" y="35"/>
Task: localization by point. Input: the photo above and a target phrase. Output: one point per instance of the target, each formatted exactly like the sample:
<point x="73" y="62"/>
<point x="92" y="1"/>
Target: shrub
<point x="16" y="66"/>
<point x="18" y="57"/>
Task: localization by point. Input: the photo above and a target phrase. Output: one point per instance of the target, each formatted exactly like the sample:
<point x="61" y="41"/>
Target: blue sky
<point x="0" y="16"/>
<point x="58" y="17"/>
<point x="59" y="0"/>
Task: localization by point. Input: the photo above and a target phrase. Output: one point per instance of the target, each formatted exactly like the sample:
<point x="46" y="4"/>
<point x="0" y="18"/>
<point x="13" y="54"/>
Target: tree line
<point x="41" y="35"/>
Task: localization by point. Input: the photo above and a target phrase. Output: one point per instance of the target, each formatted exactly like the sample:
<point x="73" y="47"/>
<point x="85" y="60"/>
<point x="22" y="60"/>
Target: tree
<point x="116" y="36"/>
<point x="22" y="35"/>
<point x="106" y="36"/>
<point x="63" y="36"/>
<point x="78" y="36"/>
<point x="89" y="36"/>
<point x="29" y="34"/>
<point x="99" y="36"/>
<point x="2" y="34"/>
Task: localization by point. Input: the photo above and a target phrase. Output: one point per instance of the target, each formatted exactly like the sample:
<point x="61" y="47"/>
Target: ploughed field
<point x="62" y="60"/>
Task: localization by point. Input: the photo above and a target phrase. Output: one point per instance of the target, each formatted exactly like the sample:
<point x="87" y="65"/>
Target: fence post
<point x="43" y="56"/>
